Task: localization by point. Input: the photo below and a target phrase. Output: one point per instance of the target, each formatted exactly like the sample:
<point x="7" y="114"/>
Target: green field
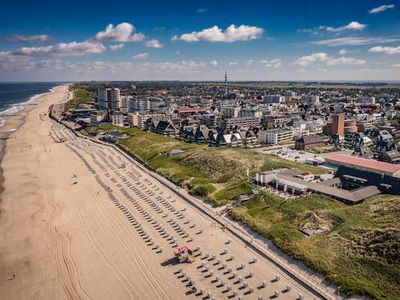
<point x="81" y="96"/>
<point x="218" y="175"/>
<point x="361" y="252"/>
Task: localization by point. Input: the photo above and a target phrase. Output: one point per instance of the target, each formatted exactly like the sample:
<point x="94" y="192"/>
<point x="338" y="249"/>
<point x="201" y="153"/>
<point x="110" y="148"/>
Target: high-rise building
<point x="337" y="126"/>
<point x="139" y="105"/>
<point x="102" y="97"/>
<point x="115" y="98"/>
<point x="226" y="83"/>
<point x="108" y="99"/>
<point x="124" y="105"/>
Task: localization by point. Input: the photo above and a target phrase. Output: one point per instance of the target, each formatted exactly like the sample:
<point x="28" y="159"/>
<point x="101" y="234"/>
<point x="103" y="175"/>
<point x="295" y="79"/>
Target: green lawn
<point x="81" y="96"/>
<point x="361" y="253"/>
<point x="218" y="175"/>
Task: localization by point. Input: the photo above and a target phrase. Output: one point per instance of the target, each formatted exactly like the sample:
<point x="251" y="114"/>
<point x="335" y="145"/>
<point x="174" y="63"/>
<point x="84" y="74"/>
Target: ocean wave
<point x="17" y="107"/>
<point x="11" y="110"/>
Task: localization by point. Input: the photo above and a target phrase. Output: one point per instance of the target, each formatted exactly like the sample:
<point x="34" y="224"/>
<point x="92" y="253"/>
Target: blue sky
<point x="198" y="40"/>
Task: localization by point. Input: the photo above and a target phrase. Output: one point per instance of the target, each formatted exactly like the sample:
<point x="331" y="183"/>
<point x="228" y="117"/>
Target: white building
<point x="310" y="126"/>
<point x="275" y="136"/>
<point x="124" y="105"/>
<point x="117" y="119"/>
<point x="366" y="100"/>
<point x="250" y="113"/>
<point x="108" y="99"/>
<point x="231" y="111"/>
<point x="290" y="94"/>
<point x="115" y="98"/>
<point x="310" y="100"/>
<point x="273" y="99"/>
<point x="139" y="119"/>
<point x="139" y="105"/>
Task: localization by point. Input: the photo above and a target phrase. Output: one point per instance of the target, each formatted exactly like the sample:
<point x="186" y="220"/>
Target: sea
<point x="13" y="96"/>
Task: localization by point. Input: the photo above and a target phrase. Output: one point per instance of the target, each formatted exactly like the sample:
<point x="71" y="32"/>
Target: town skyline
<point x="259" y="42"/>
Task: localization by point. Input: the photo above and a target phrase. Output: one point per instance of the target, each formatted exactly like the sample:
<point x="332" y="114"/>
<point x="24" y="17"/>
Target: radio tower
<point x="226" y="83"/>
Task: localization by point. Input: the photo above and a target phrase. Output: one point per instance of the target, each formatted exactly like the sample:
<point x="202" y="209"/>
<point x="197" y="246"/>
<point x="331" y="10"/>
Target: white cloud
<point x="116" y="47"/>
<point x="26" y="68"/>
<point x="63" y="49"/>
<point x="249" y="62"/>
<point x="97" y="70"/>
<point x="233" y="63"/>
<point x="141" y="56"/>
<point x="313" y="31"/>
<point x="354" y="41"/>
<point x="351" y="26"/>
<point x="121" y="33"/>
<point x="306" y="60"/>
<point x="273" y="63"/>
<point x="342" y="51"/>
<point x="396" y="66"/>
<point x="328" y="60"/>
<point x="28" y="38"/>
<point x="386" y="50"/>
<point x="183" y="66"/>
<point x="214" y="63"/>
<point x="10" y="61"/>
<point x="216" y="34"/>
<point x="153" y="44"/>
<point x="381" y="8"/>
<point x="345" y="61"/>
<point x="201" y="10"/>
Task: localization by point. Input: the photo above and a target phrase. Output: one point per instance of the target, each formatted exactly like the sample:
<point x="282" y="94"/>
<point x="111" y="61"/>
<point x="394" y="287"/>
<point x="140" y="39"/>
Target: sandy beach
<point x="78" y="220"/>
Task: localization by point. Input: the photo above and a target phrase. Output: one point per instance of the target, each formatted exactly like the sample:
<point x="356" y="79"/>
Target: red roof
<point x="188" y="109"/>
<point x="362" y="162"/>
<point x="183" y="248"/>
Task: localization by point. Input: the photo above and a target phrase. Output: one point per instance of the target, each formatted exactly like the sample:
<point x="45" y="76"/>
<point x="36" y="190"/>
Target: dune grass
<point x="218" y="175"/>
<point x="361" y="253"/>
<point x="81" y="96"/>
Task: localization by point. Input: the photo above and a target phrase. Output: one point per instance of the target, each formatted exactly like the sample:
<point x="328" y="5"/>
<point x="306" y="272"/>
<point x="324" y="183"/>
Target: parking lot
<point x="294" y="155"/>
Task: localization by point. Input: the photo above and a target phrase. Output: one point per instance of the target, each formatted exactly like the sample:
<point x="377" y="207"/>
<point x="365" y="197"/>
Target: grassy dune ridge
<point x="81" y="96"/>
<point x="219" y="175"/>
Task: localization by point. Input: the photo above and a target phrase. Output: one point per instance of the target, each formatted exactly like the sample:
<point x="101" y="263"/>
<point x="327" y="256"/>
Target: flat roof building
<point x="364" y="164"/>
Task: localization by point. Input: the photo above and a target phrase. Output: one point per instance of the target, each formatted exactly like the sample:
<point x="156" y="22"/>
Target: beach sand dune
<point x="79" y="221"/>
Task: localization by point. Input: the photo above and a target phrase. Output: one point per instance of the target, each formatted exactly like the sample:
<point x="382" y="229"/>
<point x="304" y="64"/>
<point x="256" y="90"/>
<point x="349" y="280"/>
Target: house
<point x="165" y="128"/>
<point x="236" y="140"/>
<point x="392" y="157"/>
<point x="383" y="146"/>
<point x="201" y="134"/>
<point x="385" y="135"/>
<point x="188" y="133"/>
<point x="249" y="137"/>
<point x="309" y="142"/>
<point x="363" y="151"/>
<point x="217" y="138"/>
